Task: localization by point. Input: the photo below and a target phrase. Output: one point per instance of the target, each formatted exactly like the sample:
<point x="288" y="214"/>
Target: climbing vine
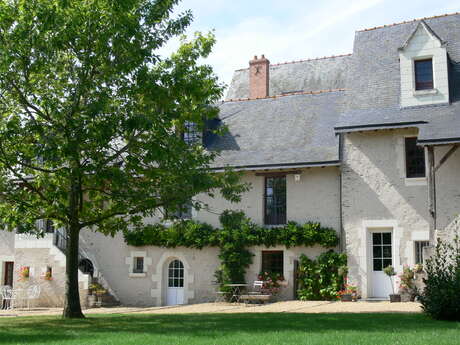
<point x="236" y="234"/>
<point x="322" y="278"/>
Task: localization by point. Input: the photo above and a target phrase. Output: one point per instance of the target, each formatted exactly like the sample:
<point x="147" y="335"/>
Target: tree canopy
<point x="91" y="117"/>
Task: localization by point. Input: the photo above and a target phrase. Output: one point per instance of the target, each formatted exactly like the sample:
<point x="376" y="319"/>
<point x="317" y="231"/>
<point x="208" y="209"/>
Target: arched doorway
<point x="86" y="266"/>
<point x="175" y="289"/>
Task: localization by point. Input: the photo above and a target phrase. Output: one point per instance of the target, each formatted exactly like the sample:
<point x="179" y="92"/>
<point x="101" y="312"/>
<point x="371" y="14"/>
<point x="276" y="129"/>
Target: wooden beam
<point x="446" y="157"/>
<point x="431" y="194"/>
<point x="278" y="173"/>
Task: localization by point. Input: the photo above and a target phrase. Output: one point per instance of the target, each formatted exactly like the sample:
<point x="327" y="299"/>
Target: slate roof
<point x="287" y="131"/>
<point x="299" y="129"/>
<point x="306" y="75"/>
<point x="373" y="85"/>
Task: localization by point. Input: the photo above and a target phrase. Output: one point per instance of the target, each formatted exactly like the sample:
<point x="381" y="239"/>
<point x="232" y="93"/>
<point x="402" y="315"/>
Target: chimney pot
<point x="259" y="77"/>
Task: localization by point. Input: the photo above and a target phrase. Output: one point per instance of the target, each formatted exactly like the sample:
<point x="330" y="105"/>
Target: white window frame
<point x="413" y="181"/>
<point x="129" y="260"/>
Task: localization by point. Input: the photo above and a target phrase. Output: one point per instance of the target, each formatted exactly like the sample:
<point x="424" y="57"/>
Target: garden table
<point x="236" y="291"/>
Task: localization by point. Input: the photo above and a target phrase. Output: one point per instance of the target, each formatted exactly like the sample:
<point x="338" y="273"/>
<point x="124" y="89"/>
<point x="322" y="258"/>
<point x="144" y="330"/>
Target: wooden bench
<point x="255" y="297"/>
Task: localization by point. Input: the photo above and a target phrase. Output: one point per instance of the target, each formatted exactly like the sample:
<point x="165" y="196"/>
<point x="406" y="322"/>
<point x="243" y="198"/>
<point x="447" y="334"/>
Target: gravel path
<point x="278" y="307"/>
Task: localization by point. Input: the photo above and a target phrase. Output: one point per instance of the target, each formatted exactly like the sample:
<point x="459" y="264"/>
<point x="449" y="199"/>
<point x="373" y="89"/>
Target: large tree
<point x="91" y="116"/>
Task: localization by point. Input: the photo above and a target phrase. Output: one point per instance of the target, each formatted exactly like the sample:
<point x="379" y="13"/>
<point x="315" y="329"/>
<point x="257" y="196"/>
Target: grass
<point x="235" y="329"/>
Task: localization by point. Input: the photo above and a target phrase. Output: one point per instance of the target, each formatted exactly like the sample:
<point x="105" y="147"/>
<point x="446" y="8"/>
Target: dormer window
<point x="423" y="66"/>
<point x="423" y="74"/>
<point x="191" y="133"/>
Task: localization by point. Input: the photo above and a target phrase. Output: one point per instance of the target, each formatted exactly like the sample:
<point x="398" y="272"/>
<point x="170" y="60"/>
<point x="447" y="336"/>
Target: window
<point x="381" y="250"/>
<point x="138" y="266"/>
<point x="176" y="274"/>
<point x="272" y="261"/>
<point x="185" y="212"/>
<point x="275" y="200"/>
<point x="45" y="225"/>
<point x="423" y="74"/>
<point x="415" y="159"/>
<point x="191" y="133"/>
<point x="419" y="245"/>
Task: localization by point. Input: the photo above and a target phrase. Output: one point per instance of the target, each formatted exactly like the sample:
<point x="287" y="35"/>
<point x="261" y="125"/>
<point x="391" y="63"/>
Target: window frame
<point x="136" y="267"/>
<point x="277" y="219"/>
<point x="268" y="253"/>
<point x="176" y="274"/>
<point x="406" y="161"/>
<point x="419" y="85"/>
<point x="418" y="251"/>
<point x="191" y="134"/>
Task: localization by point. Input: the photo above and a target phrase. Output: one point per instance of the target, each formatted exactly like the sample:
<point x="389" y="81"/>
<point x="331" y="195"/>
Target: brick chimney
<point x="258" y="77"/>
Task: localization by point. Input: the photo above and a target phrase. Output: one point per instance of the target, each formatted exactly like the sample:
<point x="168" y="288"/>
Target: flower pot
<point x="395" y="298"/>
<point x="346" y="297"/>
<point x="92" y="301"/>
<point x="354" y="297"/>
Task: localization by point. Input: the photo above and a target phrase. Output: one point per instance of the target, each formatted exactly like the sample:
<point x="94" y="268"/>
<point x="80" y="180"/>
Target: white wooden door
<point x="175" y="291"/>
<point x="381" y="250"/>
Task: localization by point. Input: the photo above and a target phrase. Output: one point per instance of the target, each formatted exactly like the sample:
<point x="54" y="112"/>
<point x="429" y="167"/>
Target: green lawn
<point x="221" y="329"/>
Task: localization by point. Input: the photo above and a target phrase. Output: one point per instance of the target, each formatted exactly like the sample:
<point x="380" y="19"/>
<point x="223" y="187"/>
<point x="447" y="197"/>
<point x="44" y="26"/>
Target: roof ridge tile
<point x="284" y="95"/>
<point x="408" y="21"/>
<point x="302" y="60"/>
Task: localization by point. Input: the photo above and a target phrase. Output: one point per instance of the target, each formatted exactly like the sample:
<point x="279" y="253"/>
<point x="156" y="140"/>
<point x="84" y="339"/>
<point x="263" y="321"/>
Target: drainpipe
<point x="342" y="232"/>
<point x="431" y="194"/>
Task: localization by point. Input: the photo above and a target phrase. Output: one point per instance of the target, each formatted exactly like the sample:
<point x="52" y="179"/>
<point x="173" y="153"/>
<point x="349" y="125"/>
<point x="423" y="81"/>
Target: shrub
<point x="320" y="279"/>
<point x="441" y="297"/>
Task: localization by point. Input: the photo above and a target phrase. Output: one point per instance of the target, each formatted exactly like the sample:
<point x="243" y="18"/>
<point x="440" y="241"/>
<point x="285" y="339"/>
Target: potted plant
<point x="24" y="273"/>
<point x="390" y="272"/>
<point x="272" y="282"/>
<point x="407" y="287"/>
<point x="418" y="268"/>
<point x="349" y="293"/>
<point x="48" y="276"/>
<point x="98" y="291"/>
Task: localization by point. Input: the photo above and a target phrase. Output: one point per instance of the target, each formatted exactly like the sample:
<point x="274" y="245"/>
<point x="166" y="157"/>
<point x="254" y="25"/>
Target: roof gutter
<point x="279" y="166"/>
<point x="443" y="141"/>
<point x="371" y="127"/>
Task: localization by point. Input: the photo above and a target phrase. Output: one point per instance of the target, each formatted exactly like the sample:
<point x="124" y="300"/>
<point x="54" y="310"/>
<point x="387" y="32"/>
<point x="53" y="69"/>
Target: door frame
<point x="174" y="288"/>
<point x="160" y="278"/>
<point x="369" y="226"/>
<point x="371" y="256"/>
<point x="3" y="259"/>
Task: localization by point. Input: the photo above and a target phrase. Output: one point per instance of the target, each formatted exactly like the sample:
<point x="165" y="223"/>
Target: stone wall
<point x="314" y="198"/>
<point x="6" y="251"/>
<point x="376" y="194"/>
<point x="38" y="255"/>
<point x="149" y="288"/>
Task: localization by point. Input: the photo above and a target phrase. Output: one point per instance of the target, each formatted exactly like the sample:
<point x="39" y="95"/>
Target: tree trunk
<point x="72" y="307"/>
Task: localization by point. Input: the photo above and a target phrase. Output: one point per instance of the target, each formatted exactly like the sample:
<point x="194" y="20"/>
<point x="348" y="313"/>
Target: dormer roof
<point x="422" y="25"/>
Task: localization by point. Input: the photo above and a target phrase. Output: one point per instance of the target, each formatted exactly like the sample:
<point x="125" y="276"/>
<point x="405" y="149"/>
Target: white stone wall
<point x="114" y="257"/>
<point x="376" y="194"/>
<point x="6" y="251"/>
<point x="423" y="45"/>
<point x="38" y="254"/>
<point x="314" y="198"/>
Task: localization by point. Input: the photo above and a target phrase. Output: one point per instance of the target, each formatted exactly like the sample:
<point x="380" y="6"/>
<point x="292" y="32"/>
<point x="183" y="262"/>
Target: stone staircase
<point x="108" y="299"/>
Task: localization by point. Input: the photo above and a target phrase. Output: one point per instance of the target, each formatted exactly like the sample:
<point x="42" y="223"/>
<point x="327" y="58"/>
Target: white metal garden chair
<point x="257" y="287"/>
<point x="9" y="296"/>
<point x="32" y="293"/>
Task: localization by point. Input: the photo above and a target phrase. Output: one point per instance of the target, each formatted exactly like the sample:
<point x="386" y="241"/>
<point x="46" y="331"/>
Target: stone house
<point x="364" y="143"/>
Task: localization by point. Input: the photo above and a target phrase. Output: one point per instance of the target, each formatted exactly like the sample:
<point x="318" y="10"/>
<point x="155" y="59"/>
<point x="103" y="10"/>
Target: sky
<point x="287" y="30"/>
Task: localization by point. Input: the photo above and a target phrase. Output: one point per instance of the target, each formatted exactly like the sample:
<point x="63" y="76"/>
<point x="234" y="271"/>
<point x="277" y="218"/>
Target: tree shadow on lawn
<point x="53" y="329"/>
